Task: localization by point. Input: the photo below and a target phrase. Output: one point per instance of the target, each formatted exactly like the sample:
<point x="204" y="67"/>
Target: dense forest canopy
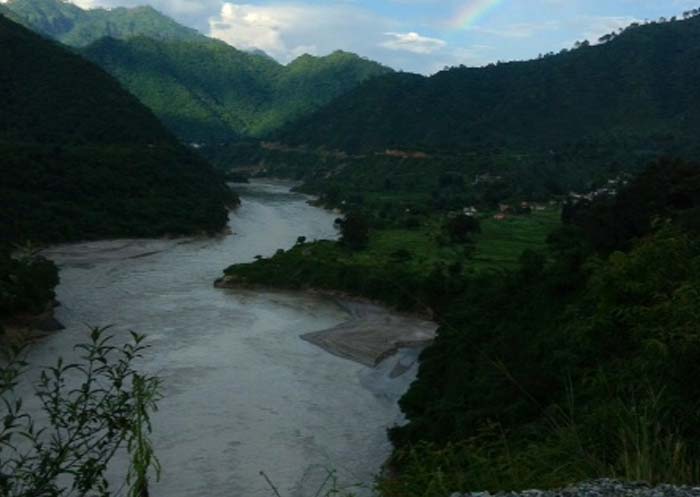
<point x="636" y="89"/>
<point x="82" y="158"/>
<point x="69" y="24"/>
<point x="202" y="89"/>
<point x="576" y="365"/>
<point x="211" y="92"/>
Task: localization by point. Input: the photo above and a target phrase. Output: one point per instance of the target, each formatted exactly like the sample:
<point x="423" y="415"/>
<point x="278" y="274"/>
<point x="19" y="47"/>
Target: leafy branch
<point x="94" y="407"/>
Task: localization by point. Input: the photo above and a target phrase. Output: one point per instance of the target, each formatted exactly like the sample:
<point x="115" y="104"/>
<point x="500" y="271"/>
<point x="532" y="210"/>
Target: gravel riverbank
<point x="371" y="334"/>
<point x="599" y="488"/>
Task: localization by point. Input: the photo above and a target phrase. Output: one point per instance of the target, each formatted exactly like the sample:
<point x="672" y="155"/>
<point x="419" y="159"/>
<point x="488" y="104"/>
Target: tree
<point x="354" y="231"/>
<point x="401" y="256"/>
<point x="27" y="281"/>
<point x="461" y="227"/>
<point x="87" y="424"/>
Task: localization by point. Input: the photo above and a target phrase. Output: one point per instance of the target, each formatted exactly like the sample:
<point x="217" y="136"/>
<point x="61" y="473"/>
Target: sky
<point x="411" y="35"/>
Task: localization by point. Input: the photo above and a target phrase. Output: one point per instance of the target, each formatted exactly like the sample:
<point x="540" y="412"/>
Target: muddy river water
<point x="242" y="392"/>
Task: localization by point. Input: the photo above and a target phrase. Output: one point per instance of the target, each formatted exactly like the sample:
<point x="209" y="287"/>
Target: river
<point x="242" y="392"/>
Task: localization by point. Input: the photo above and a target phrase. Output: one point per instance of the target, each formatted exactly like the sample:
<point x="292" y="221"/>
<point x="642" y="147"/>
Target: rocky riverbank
<point x="25" y="326"/>
<point x="600" y="488"/>
<point x="370" y="334"/>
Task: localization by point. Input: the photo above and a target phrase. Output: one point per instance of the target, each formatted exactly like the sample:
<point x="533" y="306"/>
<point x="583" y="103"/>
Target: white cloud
<point x="286" y="31"/>
<point x="591" y="28"/>
<point x="86" y="4"/>
<point x="193" y="13"/>
<point x="246" y="27"/>
<point x="413" y="42"/>
<point x="595" y="27"/>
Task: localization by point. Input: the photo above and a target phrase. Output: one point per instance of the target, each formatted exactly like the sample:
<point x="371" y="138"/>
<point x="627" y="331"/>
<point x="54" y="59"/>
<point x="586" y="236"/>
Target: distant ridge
<point x="204" y="90"/>
<point x="639" y="89"/>
<point x="69" y="24"/>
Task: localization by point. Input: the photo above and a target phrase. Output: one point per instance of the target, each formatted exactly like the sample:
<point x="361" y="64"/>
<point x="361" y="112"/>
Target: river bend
<point x="243" y="393"/>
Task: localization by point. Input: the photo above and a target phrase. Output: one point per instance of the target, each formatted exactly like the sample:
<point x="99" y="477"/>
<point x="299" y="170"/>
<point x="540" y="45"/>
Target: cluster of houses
<point x="486" y="179"/>
<point x="609" y="190"/>
<point x="404" y="154"/>
<point x="507" y="210"/>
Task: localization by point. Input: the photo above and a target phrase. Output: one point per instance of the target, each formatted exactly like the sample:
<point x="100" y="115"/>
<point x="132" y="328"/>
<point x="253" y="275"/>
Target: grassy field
<point x="500" y="243"/>
<point x="404" y="268"/>
<point x="498" y="246"/>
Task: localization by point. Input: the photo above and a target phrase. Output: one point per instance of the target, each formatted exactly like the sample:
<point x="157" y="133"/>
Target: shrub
<point x="87" y="425"/>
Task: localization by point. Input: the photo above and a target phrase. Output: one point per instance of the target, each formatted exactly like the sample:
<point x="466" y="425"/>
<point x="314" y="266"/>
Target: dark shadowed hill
<point x="82" y="158"/>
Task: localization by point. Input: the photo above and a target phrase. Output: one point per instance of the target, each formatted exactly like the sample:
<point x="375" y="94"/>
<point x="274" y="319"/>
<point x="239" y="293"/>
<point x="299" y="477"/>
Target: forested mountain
<point x="639" y="89"/>
<point x="202" y="89"/>
<point x="82" y="158"/>
<point x="210" y="91"/>
<point x="74" y="26"/>
<point x="8" y="13"/>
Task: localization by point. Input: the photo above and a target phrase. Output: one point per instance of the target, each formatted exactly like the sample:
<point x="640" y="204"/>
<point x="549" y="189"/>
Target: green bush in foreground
<point x="27" y="282"/>
<point x="87" y="425"/>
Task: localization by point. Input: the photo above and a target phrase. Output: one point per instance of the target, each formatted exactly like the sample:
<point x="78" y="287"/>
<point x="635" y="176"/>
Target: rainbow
<point x="473" y="11"/>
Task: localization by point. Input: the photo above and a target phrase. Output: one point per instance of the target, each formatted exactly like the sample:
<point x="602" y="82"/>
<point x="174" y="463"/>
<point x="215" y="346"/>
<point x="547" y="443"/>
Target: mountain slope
<point x="210" y="91"/>
<point x="82" y="158"/>
<point x="202" y="89"/>
<point x="639" y="88"/>
<point x="74" y="26"/>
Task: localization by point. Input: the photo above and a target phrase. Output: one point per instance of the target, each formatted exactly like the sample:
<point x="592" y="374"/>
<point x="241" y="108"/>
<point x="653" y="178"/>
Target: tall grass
<point x="650" y="449"/>
<point x="631" y="440"/>
<point x="329" y="485"/>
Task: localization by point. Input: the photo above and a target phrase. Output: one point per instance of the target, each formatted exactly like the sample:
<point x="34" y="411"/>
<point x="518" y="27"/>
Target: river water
<point x="242" y="392"/>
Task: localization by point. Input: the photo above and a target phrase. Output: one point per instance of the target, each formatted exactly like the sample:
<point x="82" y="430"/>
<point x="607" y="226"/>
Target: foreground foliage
<point x="92" y="408"/>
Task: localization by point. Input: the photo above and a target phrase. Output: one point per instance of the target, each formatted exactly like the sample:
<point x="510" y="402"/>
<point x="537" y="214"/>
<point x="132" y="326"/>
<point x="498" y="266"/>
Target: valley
<point x="351" y="280"/>
<point x="258" y="397"/>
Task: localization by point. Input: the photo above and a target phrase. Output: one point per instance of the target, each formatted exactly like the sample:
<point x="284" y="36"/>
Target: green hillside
<point x="74" y="26"/>
<point x="82" y="158"/>
<point x="202" y="89"/>
<point x="638" y="89"/>
<point x="210" y="91"/>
